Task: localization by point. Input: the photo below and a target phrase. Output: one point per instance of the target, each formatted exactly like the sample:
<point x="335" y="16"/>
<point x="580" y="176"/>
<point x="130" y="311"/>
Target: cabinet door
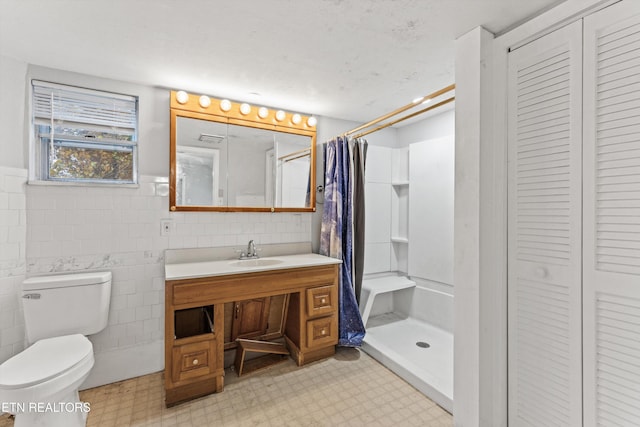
<point x="251" y="318"/>
<point x="612" y="216"/>
<point x="544" y="230"/>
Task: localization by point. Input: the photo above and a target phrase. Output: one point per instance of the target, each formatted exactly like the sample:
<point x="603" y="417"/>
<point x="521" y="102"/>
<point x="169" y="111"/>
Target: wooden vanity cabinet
<point x="194" y="365"/>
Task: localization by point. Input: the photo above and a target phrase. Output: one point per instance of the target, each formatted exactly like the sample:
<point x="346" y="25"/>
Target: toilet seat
<point x="44" y="360"/>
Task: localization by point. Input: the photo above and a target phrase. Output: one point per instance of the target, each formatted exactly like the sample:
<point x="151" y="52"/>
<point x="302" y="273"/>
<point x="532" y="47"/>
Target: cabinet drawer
<point x="322" y="332"/>
<point x="193" y="360"/>
<point x="322" y="300"/>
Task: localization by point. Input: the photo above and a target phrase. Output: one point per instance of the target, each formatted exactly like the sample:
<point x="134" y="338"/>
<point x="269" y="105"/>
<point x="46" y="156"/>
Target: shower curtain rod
<point x="402" y="110"/>
<point x="296" y="153"/>
<point x="408" y="116"/>
<point x="296" y="158"/>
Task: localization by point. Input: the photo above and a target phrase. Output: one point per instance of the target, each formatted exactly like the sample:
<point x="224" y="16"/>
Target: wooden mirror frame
<point x="192" y="108"/>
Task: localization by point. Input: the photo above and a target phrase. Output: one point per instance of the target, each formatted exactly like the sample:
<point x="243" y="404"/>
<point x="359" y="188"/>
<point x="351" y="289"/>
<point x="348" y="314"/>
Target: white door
<point x="612" y="216"/>
<point x="544" y="277"/>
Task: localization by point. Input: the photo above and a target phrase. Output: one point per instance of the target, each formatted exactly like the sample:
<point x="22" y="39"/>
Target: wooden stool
<point x="277" y="353"/>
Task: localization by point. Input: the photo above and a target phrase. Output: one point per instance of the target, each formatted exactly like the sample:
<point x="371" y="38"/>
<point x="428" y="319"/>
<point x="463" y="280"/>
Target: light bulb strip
<point x="241" y="111"/>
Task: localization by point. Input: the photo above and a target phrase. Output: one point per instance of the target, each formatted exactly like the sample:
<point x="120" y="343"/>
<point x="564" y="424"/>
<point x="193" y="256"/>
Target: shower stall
<point x="407" y="293"/>
<point x="410" y="330"/>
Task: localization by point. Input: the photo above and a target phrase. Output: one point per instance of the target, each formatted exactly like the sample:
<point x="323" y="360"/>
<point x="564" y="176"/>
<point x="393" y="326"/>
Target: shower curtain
<point x="342" y="232"/>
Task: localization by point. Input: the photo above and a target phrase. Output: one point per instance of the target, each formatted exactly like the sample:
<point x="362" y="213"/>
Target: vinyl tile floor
<point x="348" y="389"/>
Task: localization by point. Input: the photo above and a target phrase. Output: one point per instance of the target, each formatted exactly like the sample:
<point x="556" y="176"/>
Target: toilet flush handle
<point x="31" y="296"/>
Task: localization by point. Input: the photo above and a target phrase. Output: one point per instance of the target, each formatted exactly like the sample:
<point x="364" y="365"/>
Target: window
<point x="83" y="135"/>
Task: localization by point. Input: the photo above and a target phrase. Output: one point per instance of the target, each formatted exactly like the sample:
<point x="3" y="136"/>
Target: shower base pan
<point x="416" y="351"/>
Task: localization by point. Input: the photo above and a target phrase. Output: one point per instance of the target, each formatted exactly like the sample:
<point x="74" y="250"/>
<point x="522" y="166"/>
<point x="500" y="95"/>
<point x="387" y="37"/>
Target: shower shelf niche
<point x="399" y="239"/>
<point x="400" y="208"/>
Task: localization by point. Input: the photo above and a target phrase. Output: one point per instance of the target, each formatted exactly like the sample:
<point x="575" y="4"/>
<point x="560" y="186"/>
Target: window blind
<point x="70" y="104"/>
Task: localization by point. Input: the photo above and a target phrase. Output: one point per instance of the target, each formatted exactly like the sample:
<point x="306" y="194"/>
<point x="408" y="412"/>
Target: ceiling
<point x="353" y="60"/>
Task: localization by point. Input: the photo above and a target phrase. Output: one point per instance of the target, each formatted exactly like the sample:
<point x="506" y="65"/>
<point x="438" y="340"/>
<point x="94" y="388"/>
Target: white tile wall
<point x="77" y="228"/>
<point x="118" y="229"/>
<point x="12" y="259"/>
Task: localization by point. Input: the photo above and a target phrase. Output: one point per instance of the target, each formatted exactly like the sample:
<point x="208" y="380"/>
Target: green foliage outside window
<point x="72" y="162"/>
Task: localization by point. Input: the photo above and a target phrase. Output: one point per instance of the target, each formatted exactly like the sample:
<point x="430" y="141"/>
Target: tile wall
<point x="118" y="229"/>
<point x="12" y="259"/>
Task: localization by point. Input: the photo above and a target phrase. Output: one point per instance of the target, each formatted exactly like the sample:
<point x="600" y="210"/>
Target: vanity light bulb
<point x="182" y="97"/>
<point x="296" y="118"/>
<point x="312" y="121"/>
<point x="280" y="115"/>
<point x="245" y="109"/>
<point x="205" y="101"/>
<point x="263" y="112"/>
<point x="225" y="105"/>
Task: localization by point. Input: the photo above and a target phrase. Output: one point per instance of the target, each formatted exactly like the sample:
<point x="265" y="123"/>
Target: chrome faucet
<point x="251" y="250"/>
<point x="251" y="253"/>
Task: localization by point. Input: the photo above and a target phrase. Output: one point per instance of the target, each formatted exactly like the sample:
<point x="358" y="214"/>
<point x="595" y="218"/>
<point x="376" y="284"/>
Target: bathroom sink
<point x="256" y="262"/>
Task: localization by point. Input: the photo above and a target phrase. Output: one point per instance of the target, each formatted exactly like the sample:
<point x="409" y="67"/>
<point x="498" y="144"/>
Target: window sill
<point x="80" y="184"/>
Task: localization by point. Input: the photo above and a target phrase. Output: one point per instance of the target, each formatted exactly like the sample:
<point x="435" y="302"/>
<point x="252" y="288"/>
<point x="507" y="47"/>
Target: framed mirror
<point x="239" y="160"/>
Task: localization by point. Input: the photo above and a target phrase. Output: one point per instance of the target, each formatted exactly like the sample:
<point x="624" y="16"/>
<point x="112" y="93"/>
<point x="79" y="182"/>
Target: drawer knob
<point x="323" y="332"/>
<point x="323" y="301"/>
<point x="195" y="361"/>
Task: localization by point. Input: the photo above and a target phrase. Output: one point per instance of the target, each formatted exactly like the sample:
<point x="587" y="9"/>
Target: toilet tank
<point x="65" y="304"/>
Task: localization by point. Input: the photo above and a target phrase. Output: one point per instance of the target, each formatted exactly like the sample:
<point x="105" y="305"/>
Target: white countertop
<point x="191" y="270"/>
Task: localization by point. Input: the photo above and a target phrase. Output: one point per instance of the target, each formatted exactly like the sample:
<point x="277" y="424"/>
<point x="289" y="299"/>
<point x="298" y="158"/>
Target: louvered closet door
<point x="544" y="283"/>
<point x="612" y="216"/>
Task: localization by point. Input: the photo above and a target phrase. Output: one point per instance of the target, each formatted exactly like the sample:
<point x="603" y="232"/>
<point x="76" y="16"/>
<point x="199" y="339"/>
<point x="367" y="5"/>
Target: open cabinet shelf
<point x="400" y="240"/>
<point x="399" y="208"/>
<point x="192" y="322"/>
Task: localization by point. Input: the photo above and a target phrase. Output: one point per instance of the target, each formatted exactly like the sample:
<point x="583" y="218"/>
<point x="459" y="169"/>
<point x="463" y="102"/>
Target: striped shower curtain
<point x="342" y="232"/>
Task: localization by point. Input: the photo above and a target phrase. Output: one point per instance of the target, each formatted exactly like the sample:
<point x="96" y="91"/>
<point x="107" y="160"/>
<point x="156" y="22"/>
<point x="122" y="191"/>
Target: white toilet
<point x="40" y="385"/>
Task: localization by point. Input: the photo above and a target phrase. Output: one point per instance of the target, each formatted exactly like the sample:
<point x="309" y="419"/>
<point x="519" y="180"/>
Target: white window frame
<point x="82" y="109"/>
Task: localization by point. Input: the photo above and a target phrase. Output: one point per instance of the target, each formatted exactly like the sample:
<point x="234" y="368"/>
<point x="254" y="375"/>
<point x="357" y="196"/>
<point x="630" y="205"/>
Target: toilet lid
<point x="45" y="359"/>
